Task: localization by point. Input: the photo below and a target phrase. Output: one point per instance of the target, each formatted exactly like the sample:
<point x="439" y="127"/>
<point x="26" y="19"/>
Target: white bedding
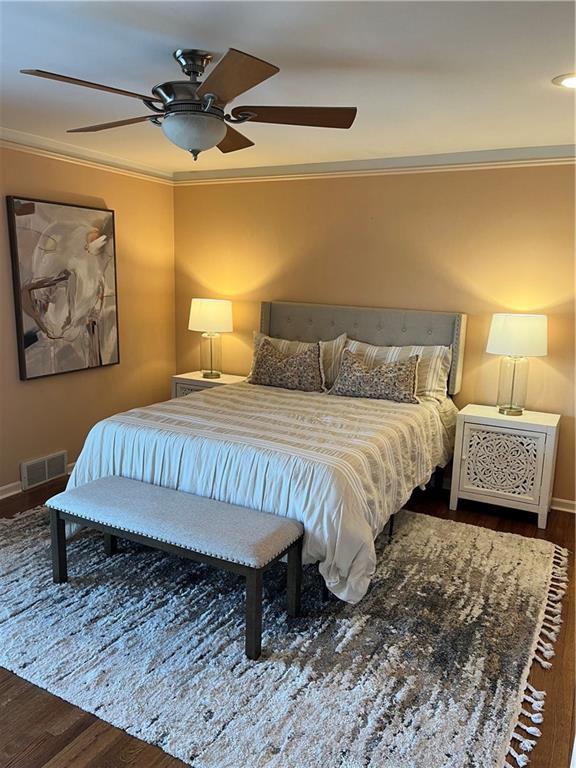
<point x="340" y="465"/>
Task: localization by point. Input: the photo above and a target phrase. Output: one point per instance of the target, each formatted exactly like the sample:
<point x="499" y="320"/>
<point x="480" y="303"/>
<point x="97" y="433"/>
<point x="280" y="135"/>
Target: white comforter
<point x="340" y="465"/>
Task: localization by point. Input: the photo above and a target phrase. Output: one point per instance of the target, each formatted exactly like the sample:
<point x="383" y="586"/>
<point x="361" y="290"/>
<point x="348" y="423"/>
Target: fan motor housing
<point x="176" y="91"/>
<point x="194" y="107"/>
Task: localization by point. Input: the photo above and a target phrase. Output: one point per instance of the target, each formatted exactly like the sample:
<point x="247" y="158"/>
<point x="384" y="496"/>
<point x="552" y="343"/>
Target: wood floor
<point x="38" y="730"/>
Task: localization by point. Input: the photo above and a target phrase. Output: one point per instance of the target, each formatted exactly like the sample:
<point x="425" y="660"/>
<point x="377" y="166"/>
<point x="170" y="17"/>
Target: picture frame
<point x="65" y="286"/>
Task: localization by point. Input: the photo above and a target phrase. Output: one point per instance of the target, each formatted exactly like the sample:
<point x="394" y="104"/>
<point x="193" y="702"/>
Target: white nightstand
<point x="505" y="460"/>
<point x="186" y="383"/>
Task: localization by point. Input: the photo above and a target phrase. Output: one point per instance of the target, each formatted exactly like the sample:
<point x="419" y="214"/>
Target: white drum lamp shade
<point x="212" y="317"/>
<point x="516" y="337"/>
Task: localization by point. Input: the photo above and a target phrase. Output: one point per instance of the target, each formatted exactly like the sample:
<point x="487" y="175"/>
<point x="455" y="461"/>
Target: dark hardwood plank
<point x="46" y="732"/>
<point x="24" y="500"/>
<point x="42" y="731"/>
<point x="46" y="744"/>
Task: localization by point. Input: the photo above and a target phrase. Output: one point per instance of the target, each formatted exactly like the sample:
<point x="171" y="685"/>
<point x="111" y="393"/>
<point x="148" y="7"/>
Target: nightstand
<point x="505" y="460"/>
<point x="186" y="383"/>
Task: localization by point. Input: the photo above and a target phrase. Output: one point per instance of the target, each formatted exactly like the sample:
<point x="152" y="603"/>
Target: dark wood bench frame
<point x="253" y="576"/>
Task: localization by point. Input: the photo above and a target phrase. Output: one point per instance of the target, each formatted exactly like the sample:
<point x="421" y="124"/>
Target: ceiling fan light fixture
<point x="194" y="131"/>
<point x="192" y="113"/>
<point x="565" y="81"/>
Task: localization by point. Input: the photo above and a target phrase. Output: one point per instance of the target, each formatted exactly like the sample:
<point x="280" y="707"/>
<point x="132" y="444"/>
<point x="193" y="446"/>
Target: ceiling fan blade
<point x="321" y="117"/>
<point x="233" y="141"/>
<point x="86" y="84"/>
<point x="105" y="126"/>
<point x="235" y="73"/>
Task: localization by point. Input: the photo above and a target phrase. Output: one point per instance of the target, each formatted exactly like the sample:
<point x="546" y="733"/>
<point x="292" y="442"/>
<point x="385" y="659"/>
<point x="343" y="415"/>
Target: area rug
<point x="429" y="670"/>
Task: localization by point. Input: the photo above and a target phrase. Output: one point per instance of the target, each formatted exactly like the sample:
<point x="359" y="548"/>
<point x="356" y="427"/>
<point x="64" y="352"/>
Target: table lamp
<point x="516" y="337"/>
<point x="212" y="317"/>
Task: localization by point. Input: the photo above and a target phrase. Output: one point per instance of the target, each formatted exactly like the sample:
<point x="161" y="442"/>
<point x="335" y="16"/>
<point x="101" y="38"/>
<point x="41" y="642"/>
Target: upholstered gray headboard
<point x="385" y="327"/>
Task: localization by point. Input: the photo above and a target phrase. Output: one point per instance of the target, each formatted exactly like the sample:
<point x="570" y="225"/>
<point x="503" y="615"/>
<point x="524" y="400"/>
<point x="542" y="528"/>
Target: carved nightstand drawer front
<point x="501" y="462"/>
<point x="187" y="389"/>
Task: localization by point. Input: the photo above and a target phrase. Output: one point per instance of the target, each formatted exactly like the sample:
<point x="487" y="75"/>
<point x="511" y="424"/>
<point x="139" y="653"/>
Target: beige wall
<point x="54" y="413"/>
<point x="474" y="241"/>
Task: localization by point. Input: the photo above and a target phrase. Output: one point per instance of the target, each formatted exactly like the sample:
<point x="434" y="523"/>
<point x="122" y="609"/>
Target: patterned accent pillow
<point x="433" y="367"/>
<point x="274" y="368"/>
<point x="387" y="381"/>
<point x="330" y="353"/>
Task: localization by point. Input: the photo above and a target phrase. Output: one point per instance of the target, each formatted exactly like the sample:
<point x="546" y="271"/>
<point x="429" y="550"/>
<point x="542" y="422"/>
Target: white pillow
<point x="433" y="366"/>
<point x="330" y="353"/>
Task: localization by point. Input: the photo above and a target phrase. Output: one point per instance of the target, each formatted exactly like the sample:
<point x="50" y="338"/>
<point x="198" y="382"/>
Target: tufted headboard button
<point x="429" y="331"/>
<point x="403" y="329"/>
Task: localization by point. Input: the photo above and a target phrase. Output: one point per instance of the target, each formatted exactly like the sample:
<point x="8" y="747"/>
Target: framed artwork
<point x="64" y="272"/>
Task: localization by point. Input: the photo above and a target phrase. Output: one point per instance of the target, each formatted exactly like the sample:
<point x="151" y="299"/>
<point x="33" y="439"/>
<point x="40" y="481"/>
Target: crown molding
<point x="514" y="157"/>
<point x="54" y="150"/>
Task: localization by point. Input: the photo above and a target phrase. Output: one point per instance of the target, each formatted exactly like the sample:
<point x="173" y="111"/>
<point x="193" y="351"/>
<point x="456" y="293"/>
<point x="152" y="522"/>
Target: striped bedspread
<point x="340" y="465"/>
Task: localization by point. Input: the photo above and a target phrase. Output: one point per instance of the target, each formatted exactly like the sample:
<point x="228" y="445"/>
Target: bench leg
<point x="253" y="614"/>
<point x="294" y="578"/>
<point x="58" y="534"/>
<point x="110" y="544"/>
<point x="390" y="528"/>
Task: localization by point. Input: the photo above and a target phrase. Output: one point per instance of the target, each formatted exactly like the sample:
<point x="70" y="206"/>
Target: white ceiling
<point x="428" y="78"/>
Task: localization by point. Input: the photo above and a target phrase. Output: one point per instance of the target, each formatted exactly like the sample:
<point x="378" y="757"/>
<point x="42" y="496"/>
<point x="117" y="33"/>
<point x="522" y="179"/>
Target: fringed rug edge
<point x="529" y="698"/>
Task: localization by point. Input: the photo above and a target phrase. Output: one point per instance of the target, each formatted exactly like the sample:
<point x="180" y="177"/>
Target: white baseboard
<point x="10" y="490"/>
<point x="13" y="488"/>
<point x="564" y="505"/>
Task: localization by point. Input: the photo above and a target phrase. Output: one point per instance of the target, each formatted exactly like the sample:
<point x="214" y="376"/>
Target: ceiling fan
<point x="192" y="113"/>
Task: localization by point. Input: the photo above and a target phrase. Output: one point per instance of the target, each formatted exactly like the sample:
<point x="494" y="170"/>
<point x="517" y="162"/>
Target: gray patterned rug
<point x="428" y="671"/>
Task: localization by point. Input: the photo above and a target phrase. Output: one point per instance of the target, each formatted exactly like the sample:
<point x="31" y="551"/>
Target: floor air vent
<point x="38" y="471"/>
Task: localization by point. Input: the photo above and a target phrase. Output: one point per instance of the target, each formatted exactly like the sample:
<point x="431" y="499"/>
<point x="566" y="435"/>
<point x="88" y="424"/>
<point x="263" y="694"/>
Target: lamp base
<point x="512" y="385"/>
<point x="510" y="410"/>
<point x="211" y="355"/>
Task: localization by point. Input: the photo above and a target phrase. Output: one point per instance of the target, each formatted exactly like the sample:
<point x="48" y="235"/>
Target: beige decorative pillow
<point x="433" y="366"/>
<point x="330" y="353"/>
<point x="387" y="381"/>
<point x="331" y="358"/>
<point x="274" y="368"/>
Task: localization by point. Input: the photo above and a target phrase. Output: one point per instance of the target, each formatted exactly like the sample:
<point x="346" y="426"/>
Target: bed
<point x="342" y="466"/>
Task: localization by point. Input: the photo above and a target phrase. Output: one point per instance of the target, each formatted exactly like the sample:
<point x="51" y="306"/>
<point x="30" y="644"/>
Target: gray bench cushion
<point x="225" y="531"/>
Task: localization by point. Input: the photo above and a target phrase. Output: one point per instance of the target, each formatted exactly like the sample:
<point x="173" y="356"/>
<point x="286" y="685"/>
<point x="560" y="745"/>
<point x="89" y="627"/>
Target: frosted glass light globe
<point x="194" y="131"/>
<point x="566" y="81"/>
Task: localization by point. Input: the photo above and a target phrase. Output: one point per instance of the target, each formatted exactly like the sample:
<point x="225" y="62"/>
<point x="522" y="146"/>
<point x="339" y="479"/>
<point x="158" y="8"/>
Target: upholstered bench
<point x="223" y="535"/>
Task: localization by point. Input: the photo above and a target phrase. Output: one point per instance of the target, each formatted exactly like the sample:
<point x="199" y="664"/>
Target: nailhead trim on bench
<point x="179" y="544"/>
